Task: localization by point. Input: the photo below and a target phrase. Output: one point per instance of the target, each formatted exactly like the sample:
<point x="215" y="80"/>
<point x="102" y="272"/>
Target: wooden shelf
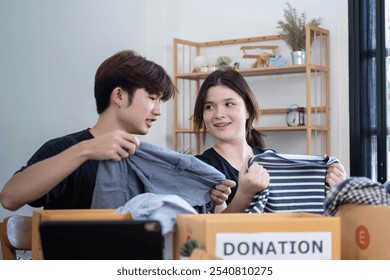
<point x="265" y="71"/>
<point x="281" y="111"/>
<point x="291" y="128"/>
<point x="184" y="130"/>
<point x="270" y="128"/>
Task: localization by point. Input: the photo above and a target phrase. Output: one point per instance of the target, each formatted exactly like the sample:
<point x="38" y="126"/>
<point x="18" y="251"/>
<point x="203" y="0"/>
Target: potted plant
<point x="293" y="31"/>
<point x="187" y="248"/>
<point x="223" y="61"/>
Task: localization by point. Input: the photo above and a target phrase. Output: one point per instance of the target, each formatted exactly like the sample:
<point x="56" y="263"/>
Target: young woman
<point x="227" y="109"/>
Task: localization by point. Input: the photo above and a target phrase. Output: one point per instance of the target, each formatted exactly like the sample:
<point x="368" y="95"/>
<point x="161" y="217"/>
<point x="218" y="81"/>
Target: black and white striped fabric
<point x="297" y="183"/>
<point x="356" y="190"/>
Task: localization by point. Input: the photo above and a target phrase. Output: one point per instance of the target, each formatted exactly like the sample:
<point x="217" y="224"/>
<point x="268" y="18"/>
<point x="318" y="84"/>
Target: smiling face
<point x="224" y="113"/>
<point x="142" y="112"/>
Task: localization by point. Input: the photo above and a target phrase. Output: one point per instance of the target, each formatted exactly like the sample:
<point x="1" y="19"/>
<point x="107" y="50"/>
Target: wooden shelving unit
<point x="315" y="72"/>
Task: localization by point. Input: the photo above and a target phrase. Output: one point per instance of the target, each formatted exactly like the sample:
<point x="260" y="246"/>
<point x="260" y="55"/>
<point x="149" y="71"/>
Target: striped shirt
<point x="297" y="183"/>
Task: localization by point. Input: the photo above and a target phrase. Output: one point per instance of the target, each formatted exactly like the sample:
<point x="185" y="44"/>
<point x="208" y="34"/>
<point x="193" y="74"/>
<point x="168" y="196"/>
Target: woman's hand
<point x="252" y="180"/>
<point x="335" y="174"/>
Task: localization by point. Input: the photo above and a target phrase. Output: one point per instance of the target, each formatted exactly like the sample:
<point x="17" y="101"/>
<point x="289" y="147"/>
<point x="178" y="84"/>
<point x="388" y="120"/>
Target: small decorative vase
<point x="298" y="57"/>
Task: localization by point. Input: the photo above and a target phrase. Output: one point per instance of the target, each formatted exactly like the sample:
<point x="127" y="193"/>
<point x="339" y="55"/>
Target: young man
<point x="62" y="173"/>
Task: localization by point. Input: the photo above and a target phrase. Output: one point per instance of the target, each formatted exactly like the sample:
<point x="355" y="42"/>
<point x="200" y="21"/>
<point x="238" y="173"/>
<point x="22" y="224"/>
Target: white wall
<point x="50" y="50"/>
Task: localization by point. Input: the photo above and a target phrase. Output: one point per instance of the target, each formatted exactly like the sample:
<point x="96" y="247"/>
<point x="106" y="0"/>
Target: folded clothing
<point x="356" y="190"/>
<point x="162" y="208"/>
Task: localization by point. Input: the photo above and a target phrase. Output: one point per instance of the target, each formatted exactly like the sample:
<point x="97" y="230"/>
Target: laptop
<point x="101" y="240"/>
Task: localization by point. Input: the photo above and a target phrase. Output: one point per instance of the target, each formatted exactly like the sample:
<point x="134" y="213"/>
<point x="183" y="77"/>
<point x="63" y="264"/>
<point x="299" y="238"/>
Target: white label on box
<point x="274" y="245"/>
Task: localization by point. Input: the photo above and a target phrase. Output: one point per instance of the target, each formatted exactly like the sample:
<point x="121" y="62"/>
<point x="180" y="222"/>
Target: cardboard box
<point x="365" y="232"/>
<point x="261" y="236"/>
<point x="67" y="215"/>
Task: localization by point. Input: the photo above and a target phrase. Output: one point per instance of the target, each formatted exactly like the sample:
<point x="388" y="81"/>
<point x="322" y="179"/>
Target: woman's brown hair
<point x="235" y="81"/>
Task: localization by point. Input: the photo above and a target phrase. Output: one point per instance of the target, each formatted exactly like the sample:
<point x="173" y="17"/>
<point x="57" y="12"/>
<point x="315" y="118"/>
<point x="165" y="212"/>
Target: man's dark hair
<point x="130" y="71"/>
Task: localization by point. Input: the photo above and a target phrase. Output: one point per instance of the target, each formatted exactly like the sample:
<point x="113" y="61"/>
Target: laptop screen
<point x="101" y="240"/>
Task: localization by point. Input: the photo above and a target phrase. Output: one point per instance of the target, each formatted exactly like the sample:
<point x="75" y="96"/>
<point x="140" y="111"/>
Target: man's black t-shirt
<point x="75" y="191"/>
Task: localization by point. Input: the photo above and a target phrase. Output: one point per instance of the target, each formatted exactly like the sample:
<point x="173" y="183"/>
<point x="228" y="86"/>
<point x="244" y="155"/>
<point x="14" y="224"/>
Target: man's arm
<point x="38" y="179"/>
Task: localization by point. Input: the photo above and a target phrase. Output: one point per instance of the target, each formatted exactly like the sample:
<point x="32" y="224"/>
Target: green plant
<point x="188" y="247"/>
<point x="223" y="61"/>
<point x="293" y="28"/>
<point x="188" y="151"/>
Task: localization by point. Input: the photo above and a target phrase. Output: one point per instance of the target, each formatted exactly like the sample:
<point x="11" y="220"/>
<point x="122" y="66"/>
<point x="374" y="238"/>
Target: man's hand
<point x="111" y="146"/>
<point x="220" y="193"/>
